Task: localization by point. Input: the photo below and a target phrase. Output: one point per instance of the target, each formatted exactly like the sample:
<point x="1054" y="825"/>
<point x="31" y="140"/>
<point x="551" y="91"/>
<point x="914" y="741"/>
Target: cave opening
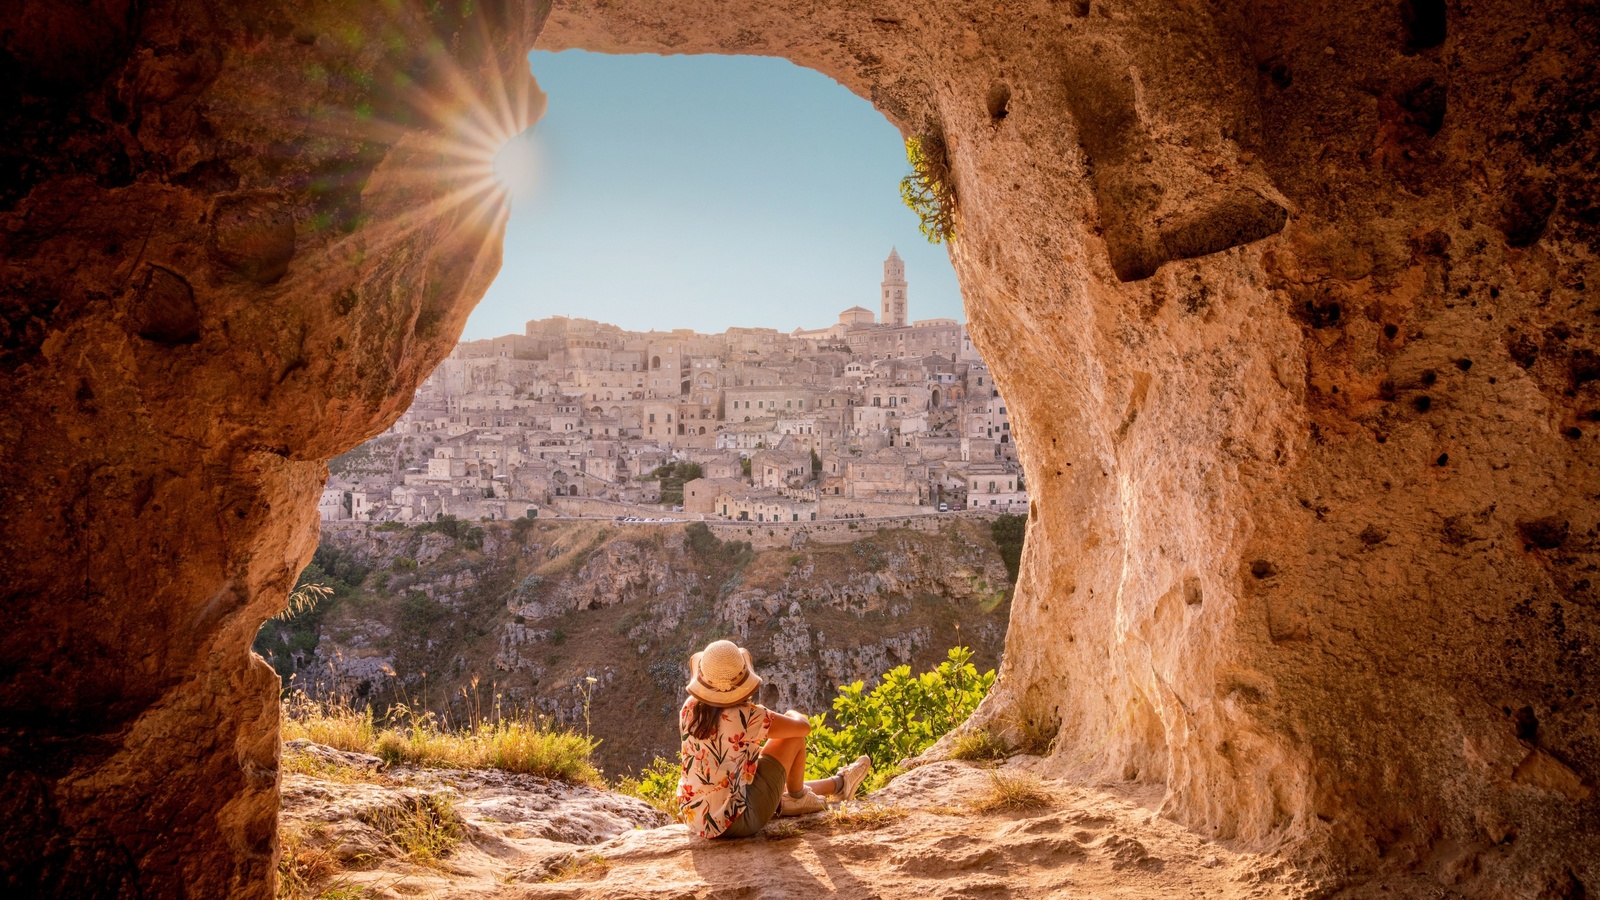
<point x="781" y="175"/>
<point x="1247" y="572"/>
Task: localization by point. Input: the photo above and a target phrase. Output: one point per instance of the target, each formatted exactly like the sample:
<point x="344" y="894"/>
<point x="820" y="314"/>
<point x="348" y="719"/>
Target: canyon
<point x="1291" y="304"/>
<point x="517" y="618"/>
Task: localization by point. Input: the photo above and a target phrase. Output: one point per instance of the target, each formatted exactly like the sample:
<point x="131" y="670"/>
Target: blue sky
<point x="706" y="192"/>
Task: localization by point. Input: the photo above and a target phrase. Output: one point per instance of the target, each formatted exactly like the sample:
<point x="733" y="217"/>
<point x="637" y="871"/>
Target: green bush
<point x="700" y="539"/>
<point x="458" y="529"/>
<point x="673" y="477"/>
<point x="929" y="191"/>
<point x="1009" y="531"/>
<point x="656" y="784"/>
<point x="898" y="719"/>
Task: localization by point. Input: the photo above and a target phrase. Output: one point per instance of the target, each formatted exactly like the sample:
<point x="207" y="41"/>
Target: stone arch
<point x="1320" y="490"/>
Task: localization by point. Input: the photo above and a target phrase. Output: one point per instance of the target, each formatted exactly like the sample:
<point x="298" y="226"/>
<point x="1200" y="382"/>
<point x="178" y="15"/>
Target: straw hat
<point x="722" y="674"/>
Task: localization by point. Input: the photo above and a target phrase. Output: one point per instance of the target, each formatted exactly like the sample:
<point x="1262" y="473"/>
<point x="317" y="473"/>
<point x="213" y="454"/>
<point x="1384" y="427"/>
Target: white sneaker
<point x="803" y="805"/>
<point x="852" y="776"/>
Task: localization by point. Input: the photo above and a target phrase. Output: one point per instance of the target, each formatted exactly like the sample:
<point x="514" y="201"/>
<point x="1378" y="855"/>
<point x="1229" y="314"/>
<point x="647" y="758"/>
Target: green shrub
<point x="701" y="540"/>
<point x="673" y="477"/>
<point x="656" y="784"/>
<point x="458" y="529"/>
<point x="929" y="191"/>
<point x="1009" y="531"/>
<point x="898" y="719"/>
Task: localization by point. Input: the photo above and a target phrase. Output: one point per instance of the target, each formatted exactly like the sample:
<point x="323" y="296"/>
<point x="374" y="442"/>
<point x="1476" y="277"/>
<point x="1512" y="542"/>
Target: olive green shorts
<point x="761" y="799"/>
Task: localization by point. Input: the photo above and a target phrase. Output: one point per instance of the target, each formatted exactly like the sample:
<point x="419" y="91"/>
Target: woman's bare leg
<point x="792" y="753"/>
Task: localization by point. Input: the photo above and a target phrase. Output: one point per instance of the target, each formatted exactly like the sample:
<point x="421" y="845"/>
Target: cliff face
<point x="528" y="614"/>
<point x="1292" y="304"/>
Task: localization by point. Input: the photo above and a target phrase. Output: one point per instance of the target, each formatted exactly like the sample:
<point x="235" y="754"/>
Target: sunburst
<point x="450" y="102"/>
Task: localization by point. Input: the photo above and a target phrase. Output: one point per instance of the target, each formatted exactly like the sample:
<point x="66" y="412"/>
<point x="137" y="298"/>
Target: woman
<point x="742" y="762"/>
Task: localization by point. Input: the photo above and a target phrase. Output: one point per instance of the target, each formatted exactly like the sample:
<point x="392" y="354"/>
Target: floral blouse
<point x="717" y="773"/>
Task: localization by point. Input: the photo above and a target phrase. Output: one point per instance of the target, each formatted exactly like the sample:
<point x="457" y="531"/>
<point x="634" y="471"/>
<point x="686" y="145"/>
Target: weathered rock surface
<point x="1314" y="538"/>
<point x="339" y="814"/>
<point x="924" y="836"/>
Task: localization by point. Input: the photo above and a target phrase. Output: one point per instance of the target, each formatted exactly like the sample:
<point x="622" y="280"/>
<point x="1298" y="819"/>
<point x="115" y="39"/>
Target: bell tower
<point x="893" y="299"/>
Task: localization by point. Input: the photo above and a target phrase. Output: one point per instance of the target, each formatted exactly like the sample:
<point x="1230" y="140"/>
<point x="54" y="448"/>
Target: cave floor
<point x="936" y="831"/>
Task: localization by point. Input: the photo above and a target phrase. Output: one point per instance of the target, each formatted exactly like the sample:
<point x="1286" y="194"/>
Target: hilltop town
<point x="870" y="416"/>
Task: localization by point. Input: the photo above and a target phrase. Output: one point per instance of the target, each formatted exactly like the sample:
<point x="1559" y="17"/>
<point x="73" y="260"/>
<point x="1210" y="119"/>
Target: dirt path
<point x="935" y="833"/>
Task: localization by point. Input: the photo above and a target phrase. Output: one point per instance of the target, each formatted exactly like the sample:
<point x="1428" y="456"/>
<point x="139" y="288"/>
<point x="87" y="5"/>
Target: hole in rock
<point x="999" y="101"/>
<point x="1425" y="23"/>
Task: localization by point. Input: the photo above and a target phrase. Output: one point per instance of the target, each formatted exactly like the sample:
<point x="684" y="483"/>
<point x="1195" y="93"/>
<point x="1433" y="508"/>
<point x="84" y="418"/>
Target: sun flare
<point x="517" y="165"/>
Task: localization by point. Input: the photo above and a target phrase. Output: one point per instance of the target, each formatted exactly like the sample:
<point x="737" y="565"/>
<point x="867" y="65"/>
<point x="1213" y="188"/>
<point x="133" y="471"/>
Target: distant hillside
<point x="530" y="610"/>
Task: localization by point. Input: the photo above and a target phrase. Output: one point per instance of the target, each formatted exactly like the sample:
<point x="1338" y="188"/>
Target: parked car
<point x="944" y="507"/>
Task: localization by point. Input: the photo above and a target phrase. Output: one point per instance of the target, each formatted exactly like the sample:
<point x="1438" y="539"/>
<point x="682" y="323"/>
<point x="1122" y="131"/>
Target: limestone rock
<point x="1414" y="351"/>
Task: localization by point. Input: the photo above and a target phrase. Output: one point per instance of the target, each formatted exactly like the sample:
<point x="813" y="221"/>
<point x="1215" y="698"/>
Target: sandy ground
<point x="928" y="835"/>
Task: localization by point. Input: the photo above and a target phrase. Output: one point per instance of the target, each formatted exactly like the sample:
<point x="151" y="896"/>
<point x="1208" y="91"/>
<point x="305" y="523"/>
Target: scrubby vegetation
<point x="425" y="828"/>
<point x="514" y="744"/>
<point x="673" y="477"/>
<point x="292" y="636"/>
<point x="929" y="190"/>
<point x="416" y="613"/>
<point x="896" y="720"/>
<point x="977" y="745"/>
<point x="1013" y="792"/>
<point x="468" y="534"/>
<point x="656" y="784"/>
<point x="1009" y="531"/>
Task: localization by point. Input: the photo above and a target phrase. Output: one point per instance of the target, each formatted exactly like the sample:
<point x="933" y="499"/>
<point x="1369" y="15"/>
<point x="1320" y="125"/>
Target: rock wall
<point x="228" y="251"/>
<point x="1290" y="301"/>
<point x="1291" y="305"/>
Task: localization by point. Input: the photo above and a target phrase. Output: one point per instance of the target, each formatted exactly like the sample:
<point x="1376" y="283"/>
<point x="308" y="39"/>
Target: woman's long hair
<point x="703" y="720"/>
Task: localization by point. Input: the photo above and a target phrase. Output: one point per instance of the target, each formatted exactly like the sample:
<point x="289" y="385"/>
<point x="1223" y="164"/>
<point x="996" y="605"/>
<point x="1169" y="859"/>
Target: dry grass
<point x="977" y="745"/>
<point x="345" y="892"/>
<point x="580" y="867"/>
<point x="514" y="745"/>
<point x="848" y="817"/>
<point x="1037" y="734"/>
<point x="1013" y="792"/>
<point x="782" y="830"/>
<point x="305" y="764"/>
<point x="864" y="816"/>
<point x="424" y="827"/>
<point x="331" y="725"/>
<point x="302" y="866"/>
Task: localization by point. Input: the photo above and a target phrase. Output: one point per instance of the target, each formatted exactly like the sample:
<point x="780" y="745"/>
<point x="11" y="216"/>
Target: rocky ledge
<point x="947" y="829"/>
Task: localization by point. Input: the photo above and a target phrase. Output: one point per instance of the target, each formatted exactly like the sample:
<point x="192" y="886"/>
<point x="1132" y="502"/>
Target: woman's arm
<point x="789" y="725"/>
